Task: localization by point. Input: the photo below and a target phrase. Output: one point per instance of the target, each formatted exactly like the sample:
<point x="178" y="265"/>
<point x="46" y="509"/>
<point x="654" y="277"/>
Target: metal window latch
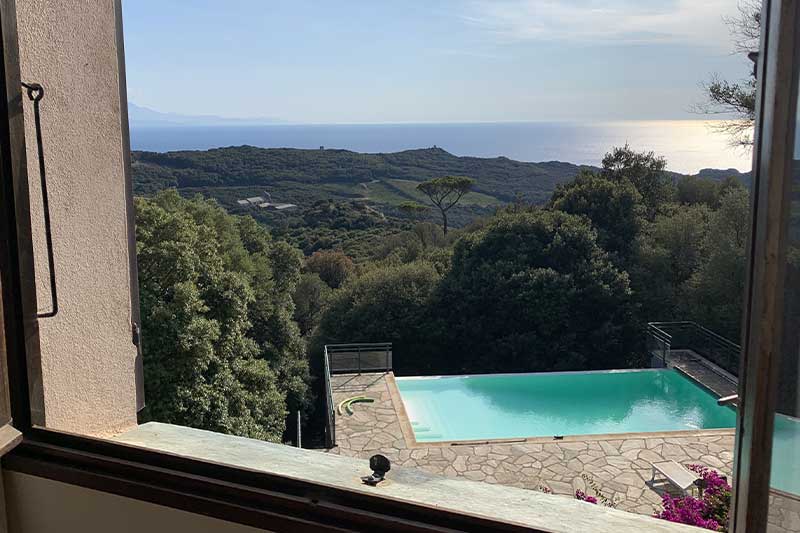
<point x="379" y="466"/>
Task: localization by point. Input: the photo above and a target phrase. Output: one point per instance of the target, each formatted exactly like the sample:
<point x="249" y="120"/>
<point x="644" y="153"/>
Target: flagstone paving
<point x="619" y="468"/>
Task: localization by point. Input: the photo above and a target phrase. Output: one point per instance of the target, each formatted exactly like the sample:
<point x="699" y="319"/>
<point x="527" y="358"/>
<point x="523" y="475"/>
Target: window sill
<point x="503" y="504"/>
<point x="9" y="438"/>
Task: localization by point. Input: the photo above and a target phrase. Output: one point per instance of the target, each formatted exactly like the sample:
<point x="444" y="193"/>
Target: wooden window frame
<point x="773" y="149"/>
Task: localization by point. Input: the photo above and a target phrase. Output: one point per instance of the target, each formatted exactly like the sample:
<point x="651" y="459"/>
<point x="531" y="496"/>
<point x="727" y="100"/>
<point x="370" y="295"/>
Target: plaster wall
<point x="87" y="380"/>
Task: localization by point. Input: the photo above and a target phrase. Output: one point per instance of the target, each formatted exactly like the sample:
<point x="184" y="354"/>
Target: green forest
<point x="351" y="201"/>
<point x="552" y="273"/>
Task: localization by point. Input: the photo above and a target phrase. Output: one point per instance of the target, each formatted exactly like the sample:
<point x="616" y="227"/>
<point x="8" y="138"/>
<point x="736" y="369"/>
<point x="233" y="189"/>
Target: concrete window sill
<point x="9" y="438"/>
<point x="504" y="504"/>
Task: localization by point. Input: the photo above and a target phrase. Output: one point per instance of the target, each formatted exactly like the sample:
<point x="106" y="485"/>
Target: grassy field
<point x="393" y="192"/>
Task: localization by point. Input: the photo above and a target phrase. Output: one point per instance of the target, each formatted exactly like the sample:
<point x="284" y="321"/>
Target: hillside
<point x="386" y="178"/>
<point x="344" y="199"/>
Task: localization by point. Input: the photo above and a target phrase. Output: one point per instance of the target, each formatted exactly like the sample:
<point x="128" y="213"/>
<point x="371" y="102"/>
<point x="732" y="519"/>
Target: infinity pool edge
<point x="412" y="443"/>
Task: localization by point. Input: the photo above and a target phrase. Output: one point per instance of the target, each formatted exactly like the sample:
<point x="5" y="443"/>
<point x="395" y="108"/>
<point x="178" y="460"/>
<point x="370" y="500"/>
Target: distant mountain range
<point x="139" y="116"/>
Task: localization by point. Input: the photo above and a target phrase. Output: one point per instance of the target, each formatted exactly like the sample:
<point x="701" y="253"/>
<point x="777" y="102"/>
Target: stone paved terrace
<point x="619" y="466"/>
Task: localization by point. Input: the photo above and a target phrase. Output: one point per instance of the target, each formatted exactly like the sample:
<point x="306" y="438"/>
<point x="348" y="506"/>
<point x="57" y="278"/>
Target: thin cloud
<point x="609" y="21"/>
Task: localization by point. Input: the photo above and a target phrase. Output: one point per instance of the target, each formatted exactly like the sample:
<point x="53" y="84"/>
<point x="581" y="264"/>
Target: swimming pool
<point x="785" y="474"/>
<point x="506" y="406"/>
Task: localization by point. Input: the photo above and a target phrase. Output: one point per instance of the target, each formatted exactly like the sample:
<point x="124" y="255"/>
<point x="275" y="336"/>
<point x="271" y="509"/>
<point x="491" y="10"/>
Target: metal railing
<point x="330" y="415"/>
<point x="658" y="343"/>
<point x="359" y="357"/>
<point x="666" y="336"/>
<point x="349" y="358"/>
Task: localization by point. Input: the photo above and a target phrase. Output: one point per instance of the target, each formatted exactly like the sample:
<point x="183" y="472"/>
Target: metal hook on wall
<point x="35" y="94"/>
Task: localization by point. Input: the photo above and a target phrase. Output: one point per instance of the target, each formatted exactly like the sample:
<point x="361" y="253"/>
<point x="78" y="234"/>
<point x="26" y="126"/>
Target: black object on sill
<point x="558" y="437"/>
<point x="36" y="93"/>
<point x="379" y="466"/>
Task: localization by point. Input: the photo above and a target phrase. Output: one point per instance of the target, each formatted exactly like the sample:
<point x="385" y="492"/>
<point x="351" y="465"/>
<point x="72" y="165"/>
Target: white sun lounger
<point x="676" y="474"/>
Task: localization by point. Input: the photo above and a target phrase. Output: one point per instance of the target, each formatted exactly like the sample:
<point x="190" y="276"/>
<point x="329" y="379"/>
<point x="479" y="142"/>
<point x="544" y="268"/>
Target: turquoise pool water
<point x="504" y="406"/>
<point x="785" y="474"/>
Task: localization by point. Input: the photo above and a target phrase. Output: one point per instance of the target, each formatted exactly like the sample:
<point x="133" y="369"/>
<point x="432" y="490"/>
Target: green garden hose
<point x="346" y="405"/>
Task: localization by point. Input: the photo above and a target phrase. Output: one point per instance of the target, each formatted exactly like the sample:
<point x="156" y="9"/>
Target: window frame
<point x="130" y="209"/>
<point x="762" y="321"/>
<point x="279" y="503"/>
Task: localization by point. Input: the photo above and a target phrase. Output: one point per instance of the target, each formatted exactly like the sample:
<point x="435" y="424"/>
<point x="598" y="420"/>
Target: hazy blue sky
<point x="323" y="61"/>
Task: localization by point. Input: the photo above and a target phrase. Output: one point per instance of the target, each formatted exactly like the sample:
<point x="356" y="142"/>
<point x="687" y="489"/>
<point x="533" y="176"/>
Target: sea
<point x="687" y="145"/>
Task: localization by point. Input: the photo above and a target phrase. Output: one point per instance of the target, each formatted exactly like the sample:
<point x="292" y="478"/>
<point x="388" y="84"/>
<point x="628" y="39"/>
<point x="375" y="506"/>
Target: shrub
<point x="333" y="267"/>
<point x="709" y="511"/>
<point x="582" y="496"/>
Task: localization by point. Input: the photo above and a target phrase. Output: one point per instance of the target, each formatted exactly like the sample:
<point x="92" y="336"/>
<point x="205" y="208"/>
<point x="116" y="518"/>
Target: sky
<point x="386" y="61"/>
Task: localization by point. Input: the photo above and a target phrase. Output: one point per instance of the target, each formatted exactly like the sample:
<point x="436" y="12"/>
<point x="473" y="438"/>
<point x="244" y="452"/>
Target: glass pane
<point x="552" y="268"/>
<point x="785" y="478"/>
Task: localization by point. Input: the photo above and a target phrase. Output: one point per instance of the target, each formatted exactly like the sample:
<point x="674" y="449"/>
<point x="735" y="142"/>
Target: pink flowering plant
<point x="582" y="496"/>
<point x="709" y="510"/>
<point x="599" y="498"/>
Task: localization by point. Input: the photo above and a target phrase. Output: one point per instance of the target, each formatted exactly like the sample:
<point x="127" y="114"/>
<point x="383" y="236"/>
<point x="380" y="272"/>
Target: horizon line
<point x="246" y="123"/>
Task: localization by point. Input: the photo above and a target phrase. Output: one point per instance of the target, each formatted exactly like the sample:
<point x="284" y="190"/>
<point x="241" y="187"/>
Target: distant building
<point x="262" y="202"/>
<point x="277" y="207"/>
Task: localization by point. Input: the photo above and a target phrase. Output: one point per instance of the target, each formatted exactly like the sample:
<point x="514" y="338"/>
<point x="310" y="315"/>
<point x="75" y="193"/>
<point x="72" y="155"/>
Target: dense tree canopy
<point x="309" y="299"/>
<point x="613" y="208"/>
<point x="671" y="251"/>
<point x="715" y="289"/>
<point x="388" y="304"/>
<point x="645" y="171"/>
<point x="221" y="350"/>
<point x="534" y="291"/>
<point x="691" y="263"/>
<point x="696" y="190"/>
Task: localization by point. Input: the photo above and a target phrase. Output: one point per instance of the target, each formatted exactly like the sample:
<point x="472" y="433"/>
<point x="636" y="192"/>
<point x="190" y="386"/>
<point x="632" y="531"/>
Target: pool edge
<point x="400" y="411"/>
<point x="555" y="373"/>
<point x="412" y="442"/>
